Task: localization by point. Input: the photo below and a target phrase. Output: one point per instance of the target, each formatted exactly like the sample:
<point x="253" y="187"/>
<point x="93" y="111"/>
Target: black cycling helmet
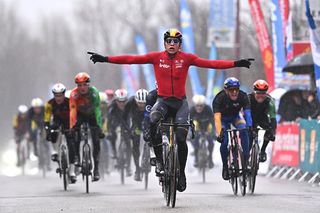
<point x="173" y="33"/>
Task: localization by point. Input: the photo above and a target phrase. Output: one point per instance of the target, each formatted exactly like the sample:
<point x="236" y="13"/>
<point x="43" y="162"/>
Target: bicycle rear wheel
<point x="242" y="172"/>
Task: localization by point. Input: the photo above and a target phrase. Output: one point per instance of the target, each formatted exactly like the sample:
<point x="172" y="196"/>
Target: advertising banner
<point x="309" y="146"/>
<point x="285" y="150"/>
<point x="264" y="41"/>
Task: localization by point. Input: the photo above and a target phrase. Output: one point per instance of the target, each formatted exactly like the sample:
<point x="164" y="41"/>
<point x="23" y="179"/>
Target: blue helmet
<point x="231" y="83"/>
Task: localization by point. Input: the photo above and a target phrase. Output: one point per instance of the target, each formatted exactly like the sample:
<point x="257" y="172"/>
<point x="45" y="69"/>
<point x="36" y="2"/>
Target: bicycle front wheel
<point x="232" y="170"/>
<point x="242" y="172"/>
<point x="254" y="168"/>
<point x="174" y="175"/>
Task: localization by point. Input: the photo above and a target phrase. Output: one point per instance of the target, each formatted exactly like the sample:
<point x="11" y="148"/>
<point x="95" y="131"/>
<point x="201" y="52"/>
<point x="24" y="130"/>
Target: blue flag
<point x="188" y="45"/>
<point x="147" y="68"/>
<point x="278" y="42"/>
<point x="315" y="46"/>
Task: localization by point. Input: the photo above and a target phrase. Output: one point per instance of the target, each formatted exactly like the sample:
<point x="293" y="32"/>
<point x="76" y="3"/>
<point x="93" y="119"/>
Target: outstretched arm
<point x="220" y="64"/>
<point x="122" y="59"/>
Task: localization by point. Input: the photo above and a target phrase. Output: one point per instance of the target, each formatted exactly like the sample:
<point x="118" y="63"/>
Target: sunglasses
<point x="172" y="41"/>
<point x="58" y="95"/>
<point x="232" y="90"/>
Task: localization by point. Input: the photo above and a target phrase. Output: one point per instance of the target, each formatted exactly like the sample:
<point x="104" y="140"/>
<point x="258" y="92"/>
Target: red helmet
<point x="260" y="86"/>
<point x="82" y="77"/>
<point x="173" y="33"/>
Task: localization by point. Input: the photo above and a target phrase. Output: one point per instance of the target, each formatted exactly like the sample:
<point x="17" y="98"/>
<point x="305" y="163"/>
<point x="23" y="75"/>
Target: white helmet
<point x="36" y="102"/>
<point x="199" y="99"/>
<point x="121" y="94"/>
<point x="103" y="97"/>
<point x="22" y="109"/>
<point x="58" y="88"/>
<point x="141" y="96"/>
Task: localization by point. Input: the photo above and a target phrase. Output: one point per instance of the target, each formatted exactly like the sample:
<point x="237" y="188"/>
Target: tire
<point x="203" y="158"/>
<point x="232" y="168"/>
<point x="86" y="165"/>
<point x="242" y="172"/>
<point x="174" y="176"/>
<point x="64" y="168"/>
<point x="254" y="168"/>
<point x="167" y="185"/>
<point x="121" y="163"/>
<point x="146" y="180"/>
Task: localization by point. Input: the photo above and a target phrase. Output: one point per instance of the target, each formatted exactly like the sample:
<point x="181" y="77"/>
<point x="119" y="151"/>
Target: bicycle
<point x="171" y="161"/>
<point x="254" y="161"/>
<point x="203" y="155"/>
<point x="236" y="162"/>
<point x="63" y="157"/>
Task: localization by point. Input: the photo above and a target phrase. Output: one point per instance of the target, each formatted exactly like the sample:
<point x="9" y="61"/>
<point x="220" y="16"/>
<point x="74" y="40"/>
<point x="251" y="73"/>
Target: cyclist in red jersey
<point x="171" y="70"/>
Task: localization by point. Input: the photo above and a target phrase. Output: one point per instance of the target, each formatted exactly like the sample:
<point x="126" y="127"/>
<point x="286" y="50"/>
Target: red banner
<point x="285" y="150"/>
<point x="264" y="41"/>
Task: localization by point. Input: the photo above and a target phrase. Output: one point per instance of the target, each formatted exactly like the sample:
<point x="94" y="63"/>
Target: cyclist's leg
<point x="128" y="151"/>
<point x="158" y="112"/>
<point x="112" y="137"/>
<point x="136" y="154"/>
<point x="265" y="125"/>
<point x="240" y="123"/>
<point x="33" y="141"/>
<point x="182" y="117"/>
<point x="195" y="144"/>
<point x="18" y="139"/>
<point x="95" y="130"/>
<point x="210" y="149"/>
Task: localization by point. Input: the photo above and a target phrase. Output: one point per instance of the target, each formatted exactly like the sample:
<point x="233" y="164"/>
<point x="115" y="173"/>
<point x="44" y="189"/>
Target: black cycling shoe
<point x="225" y="173"/>
<point x="196" y="165"/>
<point x="182" y="182"/>
<point x="210" y="163"/>
<point x="96" y="174"/>
<point x="128" y="172"/>
<point x="137" y="176"/>
<point x="262" y="157"/>
<point x="159" y="169"/>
